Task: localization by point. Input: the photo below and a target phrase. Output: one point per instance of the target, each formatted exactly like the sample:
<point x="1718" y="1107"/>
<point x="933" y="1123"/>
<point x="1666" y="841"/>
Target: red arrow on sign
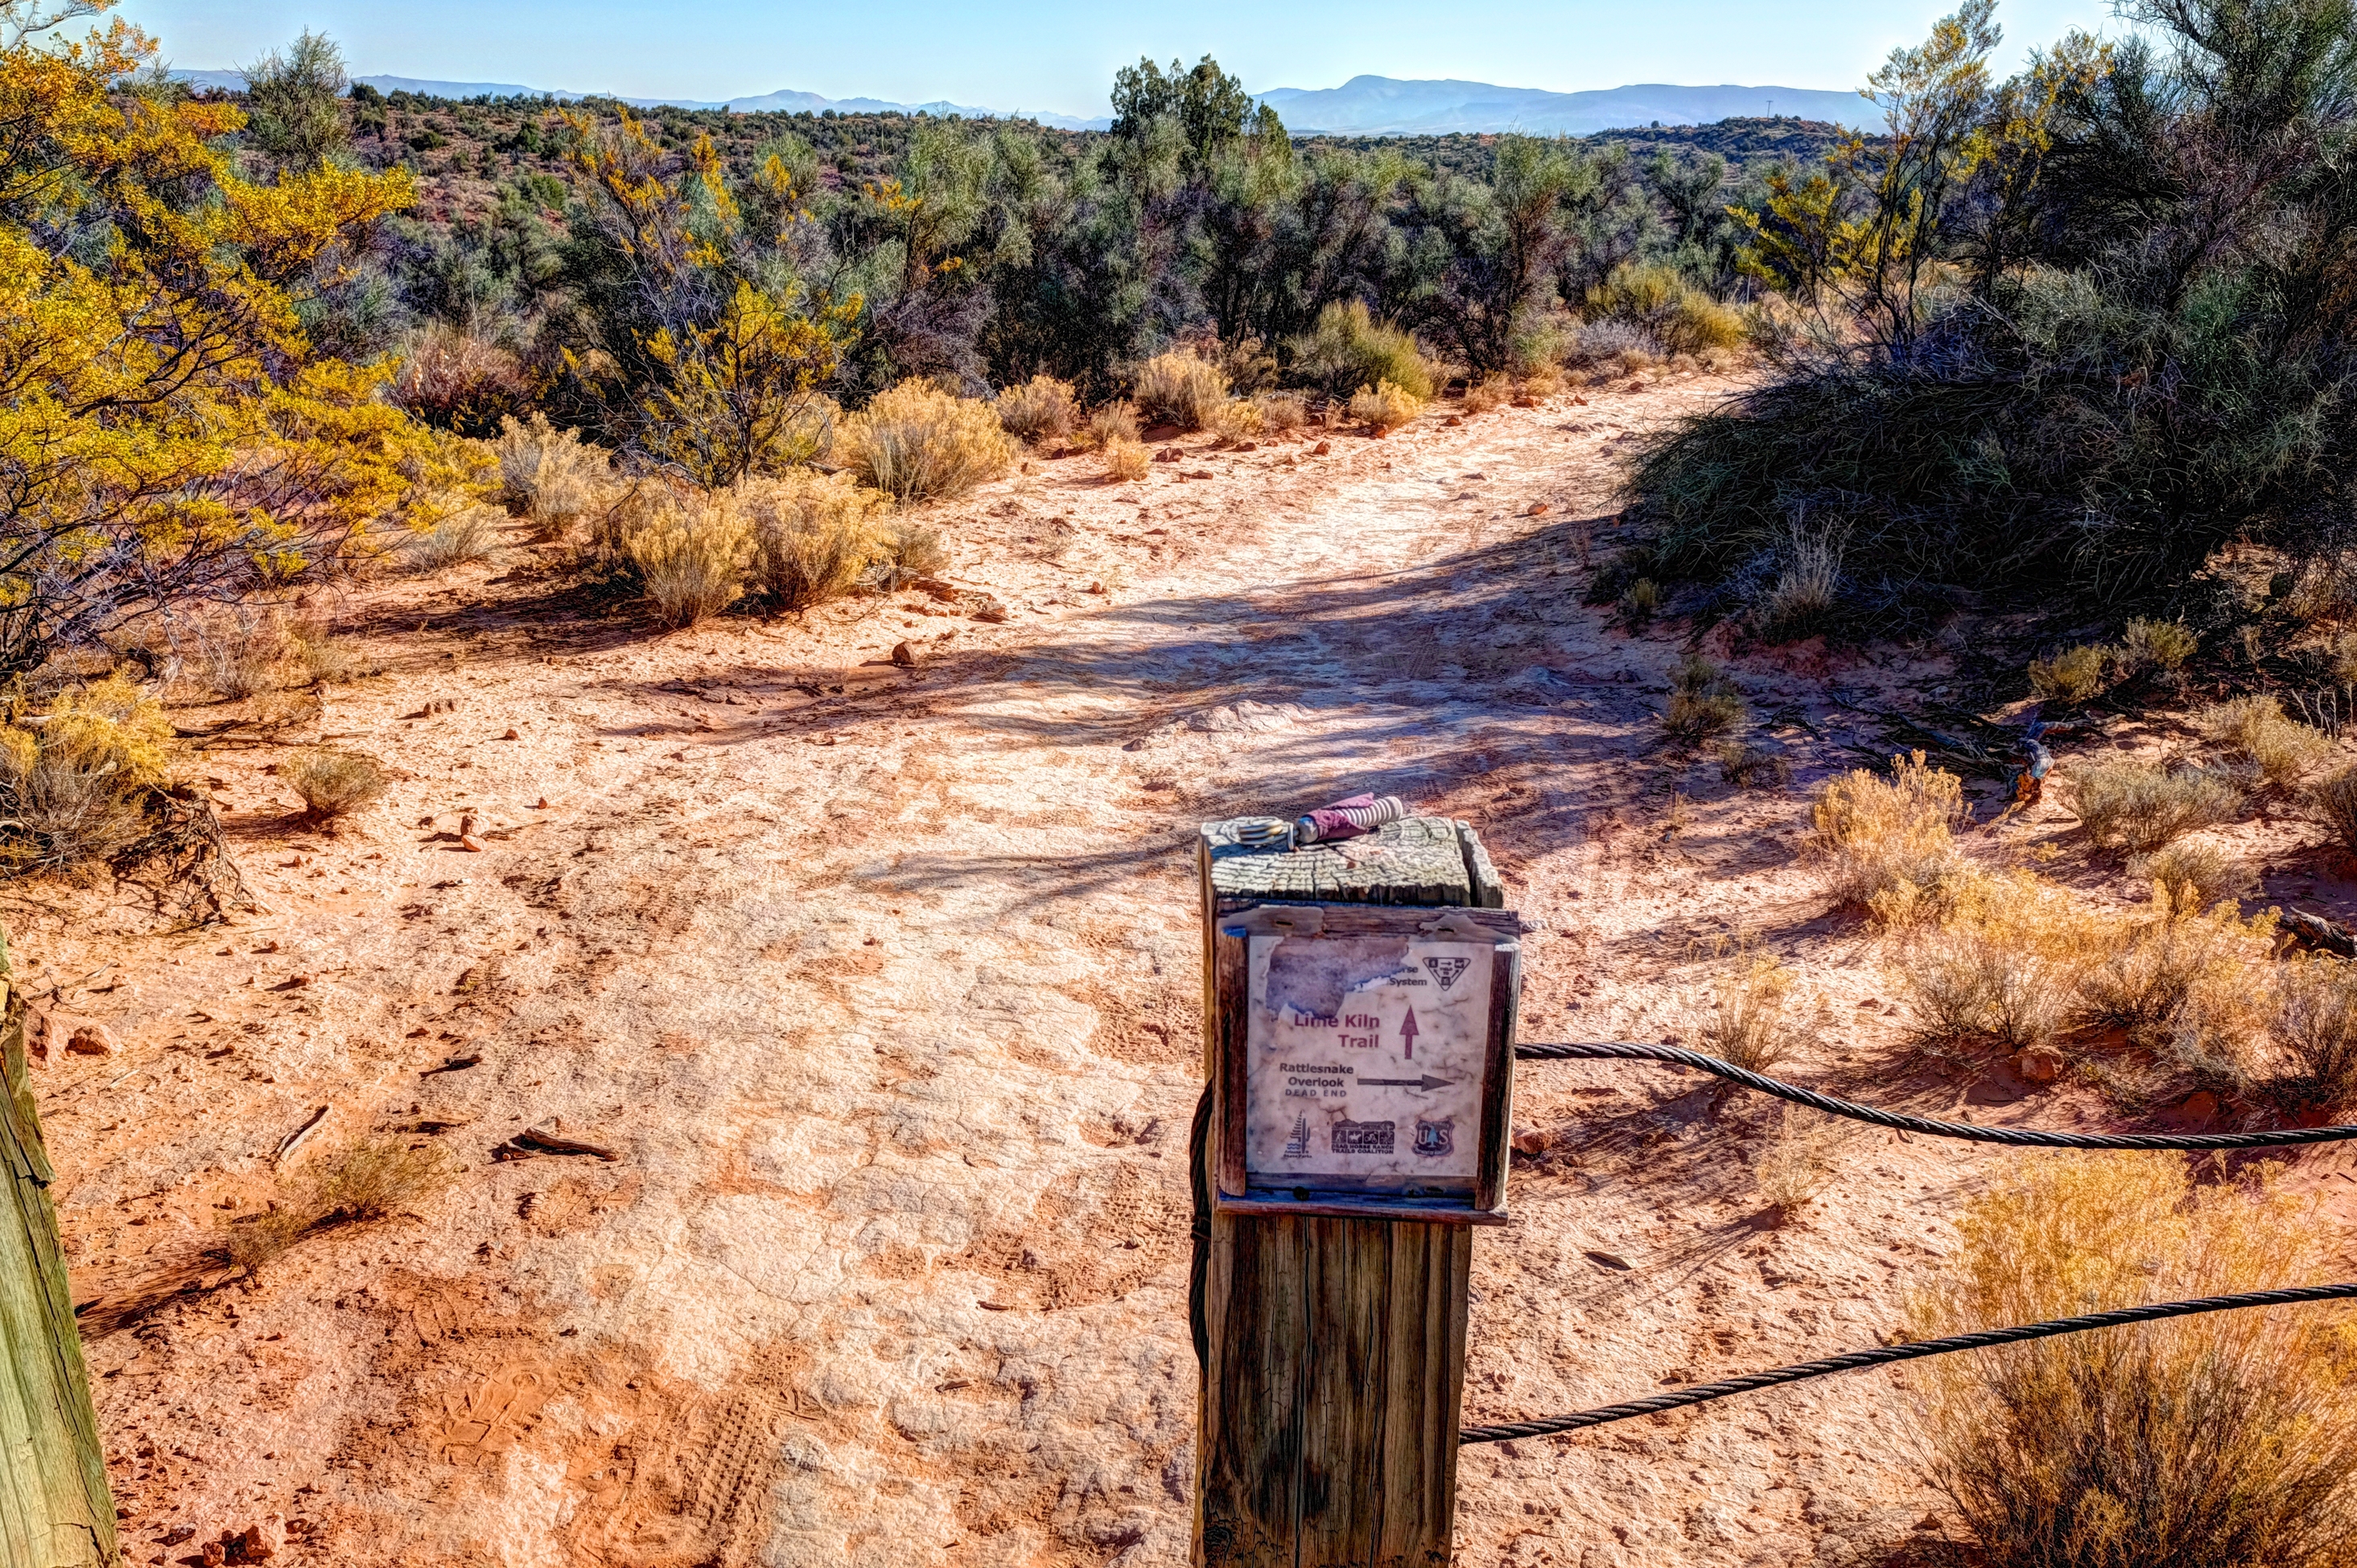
<point x="1407" y="1034"/>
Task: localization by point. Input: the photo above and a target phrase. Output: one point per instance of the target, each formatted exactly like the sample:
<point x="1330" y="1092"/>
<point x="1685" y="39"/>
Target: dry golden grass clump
<point x="1643" y="600"/>
<point x="1748" y="767"/>
<point x="1127" y="460"/>
<point x="333" y="782"/>
<point x="2163" y="645"/>
<point x="1806" y="590"/>
<point x="372" y="1180"/>
<point x="1281" y="412"/>
<point x="1385" y="407"/>
<point x="1675" y="313"/>
<point x="919" y="443"/>
<point x="2180" y="976"/>
<point x="1489" y="392"/>
<point x="1042" y="409"/>
<point x="547" y="475"/>
<point x="814" y="535"/>
<point x="72" y="776"/>
<point x="2315" y="1029"/>
<point x="1176" y="388"/>
<point x="2140" y="806"/>
<point x="2335" y="799"/>
<point x="1237" y="420"/>
<point x="1796" y="1164"/>
<point x="1702" y="701"/>
<point x="2222" y="1439"/>
<point x="907" y="549"/>
<point x="1889" y="843"/>
<point x="2002" y="967"/>
<point x="324" y="658"/>
<point x="239" y="652"/>
<point x="2209" y="872"/>
<point x="1744" y="1018"/>
<point x="457" y="540"/>
<point x="2074" y="673"/>
<point x="690" y="554"/>
<point x="2256" y="730"/>
<point x="1113" y="421"/>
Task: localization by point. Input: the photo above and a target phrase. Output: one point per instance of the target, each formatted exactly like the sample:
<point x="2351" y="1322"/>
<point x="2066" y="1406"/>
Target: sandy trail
<point x="883" y="987"/>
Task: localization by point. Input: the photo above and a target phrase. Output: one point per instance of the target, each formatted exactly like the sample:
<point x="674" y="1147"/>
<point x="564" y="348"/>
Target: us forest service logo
<point x="1445" y="971"/>
<point x="1434" y="1139"/>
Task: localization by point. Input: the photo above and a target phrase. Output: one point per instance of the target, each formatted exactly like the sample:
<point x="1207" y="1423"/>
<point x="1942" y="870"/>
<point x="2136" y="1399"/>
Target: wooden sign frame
<point x="1234" y="1191"/>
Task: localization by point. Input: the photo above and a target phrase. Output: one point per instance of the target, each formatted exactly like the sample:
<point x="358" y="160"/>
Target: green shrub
<point x="918" y="442"/>
<point x="2162" y="645"/>
<point x="1702" y="701"/>
<point x="1675" y="314"/>
<point x="1349" y="348"/>
<point x="2074" y="673"/>
<point x="1385" y="407"/>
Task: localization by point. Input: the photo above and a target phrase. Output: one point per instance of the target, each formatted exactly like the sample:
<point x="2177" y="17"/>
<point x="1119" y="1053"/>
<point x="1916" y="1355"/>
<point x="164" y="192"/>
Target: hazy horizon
<point x="1059" y="56"/>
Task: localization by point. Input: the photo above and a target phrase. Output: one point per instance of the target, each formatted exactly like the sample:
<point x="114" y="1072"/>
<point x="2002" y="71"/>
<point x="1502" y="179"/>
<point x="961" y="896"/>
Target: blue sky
<point x="1060" y="55"/>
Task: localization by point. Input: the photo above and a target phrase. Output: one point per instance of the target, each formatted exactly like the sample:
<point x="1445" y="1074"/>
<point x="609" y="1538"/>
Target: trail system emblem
<point x="1445" y="971"/>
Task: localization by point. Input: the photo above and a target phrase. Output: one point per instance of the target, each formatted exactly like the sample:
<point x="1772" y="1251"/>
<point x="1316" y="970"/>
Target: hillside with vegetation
<point x="603" y="716"/>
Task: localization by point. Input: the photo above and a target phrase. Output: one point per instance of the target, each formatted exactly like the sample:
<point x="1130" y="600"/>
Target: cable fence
<point x="1854" y="1361"/>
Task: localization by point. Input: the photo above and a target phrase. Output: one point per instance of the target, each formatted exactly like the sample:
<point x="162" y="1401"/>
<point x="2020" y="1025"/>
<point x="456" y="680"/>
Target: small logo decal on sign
<point x="1446" y="969"/>
<point x="1297" y="1146"/>
<point x="1434" y="1139"/>
<point x="1364" y="1137"/>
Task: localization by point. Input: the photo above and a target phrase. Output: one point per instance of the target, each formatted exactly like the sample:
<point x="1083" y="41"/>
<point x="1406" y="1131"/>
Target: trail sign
<point x="1370" y="1072"/>
<point x="1338" y="1105"/>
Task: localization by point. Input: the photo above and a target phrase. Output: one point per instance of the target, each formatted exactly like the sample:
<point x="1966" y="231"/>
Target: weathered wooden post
<point x="1359" y="1005"/>
<point x="55" y="1508"/>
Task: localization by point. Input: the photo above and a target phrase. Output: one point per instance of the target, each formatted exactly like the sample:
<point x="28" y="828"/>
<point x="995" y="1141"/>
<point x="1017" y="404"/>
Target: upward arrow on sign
<point x="1407" y="1034"/>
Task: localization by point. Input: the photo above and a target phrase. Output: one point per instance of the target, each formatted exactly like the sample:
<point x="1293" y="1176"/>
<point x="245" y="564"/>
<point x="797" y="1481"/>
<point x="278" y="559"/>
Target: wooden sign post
<point x="56" y="1510"/>
<point x="1358" y="1010"/>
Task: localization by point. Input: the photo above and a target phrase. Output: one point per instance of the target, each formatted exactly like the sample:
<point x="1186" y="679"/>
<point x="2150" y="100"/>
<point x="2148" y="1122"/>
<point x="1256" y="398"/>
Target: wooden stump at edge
<point x="55" y="1508"/>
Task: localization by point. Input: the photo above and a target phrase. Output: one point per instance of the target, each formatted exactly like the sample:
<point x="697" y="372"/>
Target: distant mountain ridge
<point x="1363" y="107"/>
<point x="1385" y="106"/>
<point x="786" y="102"/>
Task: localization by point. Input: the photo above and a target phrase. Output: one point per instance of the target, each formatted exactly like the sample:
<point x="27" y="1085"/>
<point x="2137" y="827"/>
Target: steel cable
<point x="2016" y="1137"/>
<point x="1548" y="1425"/>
